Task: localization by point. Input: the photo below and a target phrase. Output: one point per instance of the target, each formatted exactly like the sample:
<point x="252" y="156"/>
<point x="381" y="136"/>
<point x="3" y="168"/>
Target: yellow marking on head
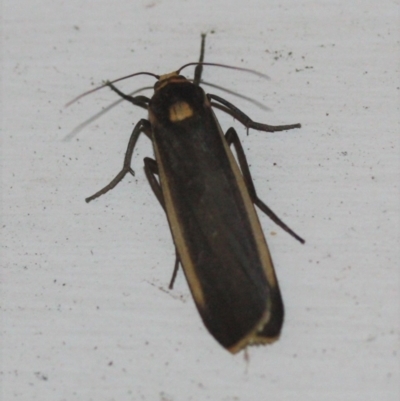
<point x="180" y="111"/>
<point x="166" y="79"/>
<point x="168" y="76"/>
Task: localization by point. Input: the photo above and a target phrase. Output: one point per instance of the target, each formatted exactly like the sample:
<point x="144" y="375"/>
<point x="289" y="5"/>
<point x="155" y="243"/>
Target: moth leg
<point x="141" y="126"/>
<point x="175" y="272"/>
<point x="151" y="169"/>
<point x="142" y="101"/>
<point x="232" y="138"/>
<point x="246" y="120"/>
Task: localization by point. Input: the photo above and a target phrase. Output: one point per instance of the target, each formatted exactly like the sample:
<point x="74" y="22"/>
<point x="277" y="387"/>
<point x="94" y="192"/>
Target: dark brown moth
<point x="209" y="201"/>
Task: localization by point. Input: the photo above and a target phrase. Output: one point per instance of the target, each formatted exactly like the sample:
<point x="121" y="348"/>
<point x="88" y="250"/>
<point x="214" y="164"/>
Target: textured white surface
<point x="86" y="314"/>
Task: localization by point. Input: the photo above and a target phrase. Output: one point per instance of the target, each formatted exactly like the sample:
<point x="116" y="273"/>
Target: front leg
<point x="141" y="101"/>
<point x="141" y="126"/>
